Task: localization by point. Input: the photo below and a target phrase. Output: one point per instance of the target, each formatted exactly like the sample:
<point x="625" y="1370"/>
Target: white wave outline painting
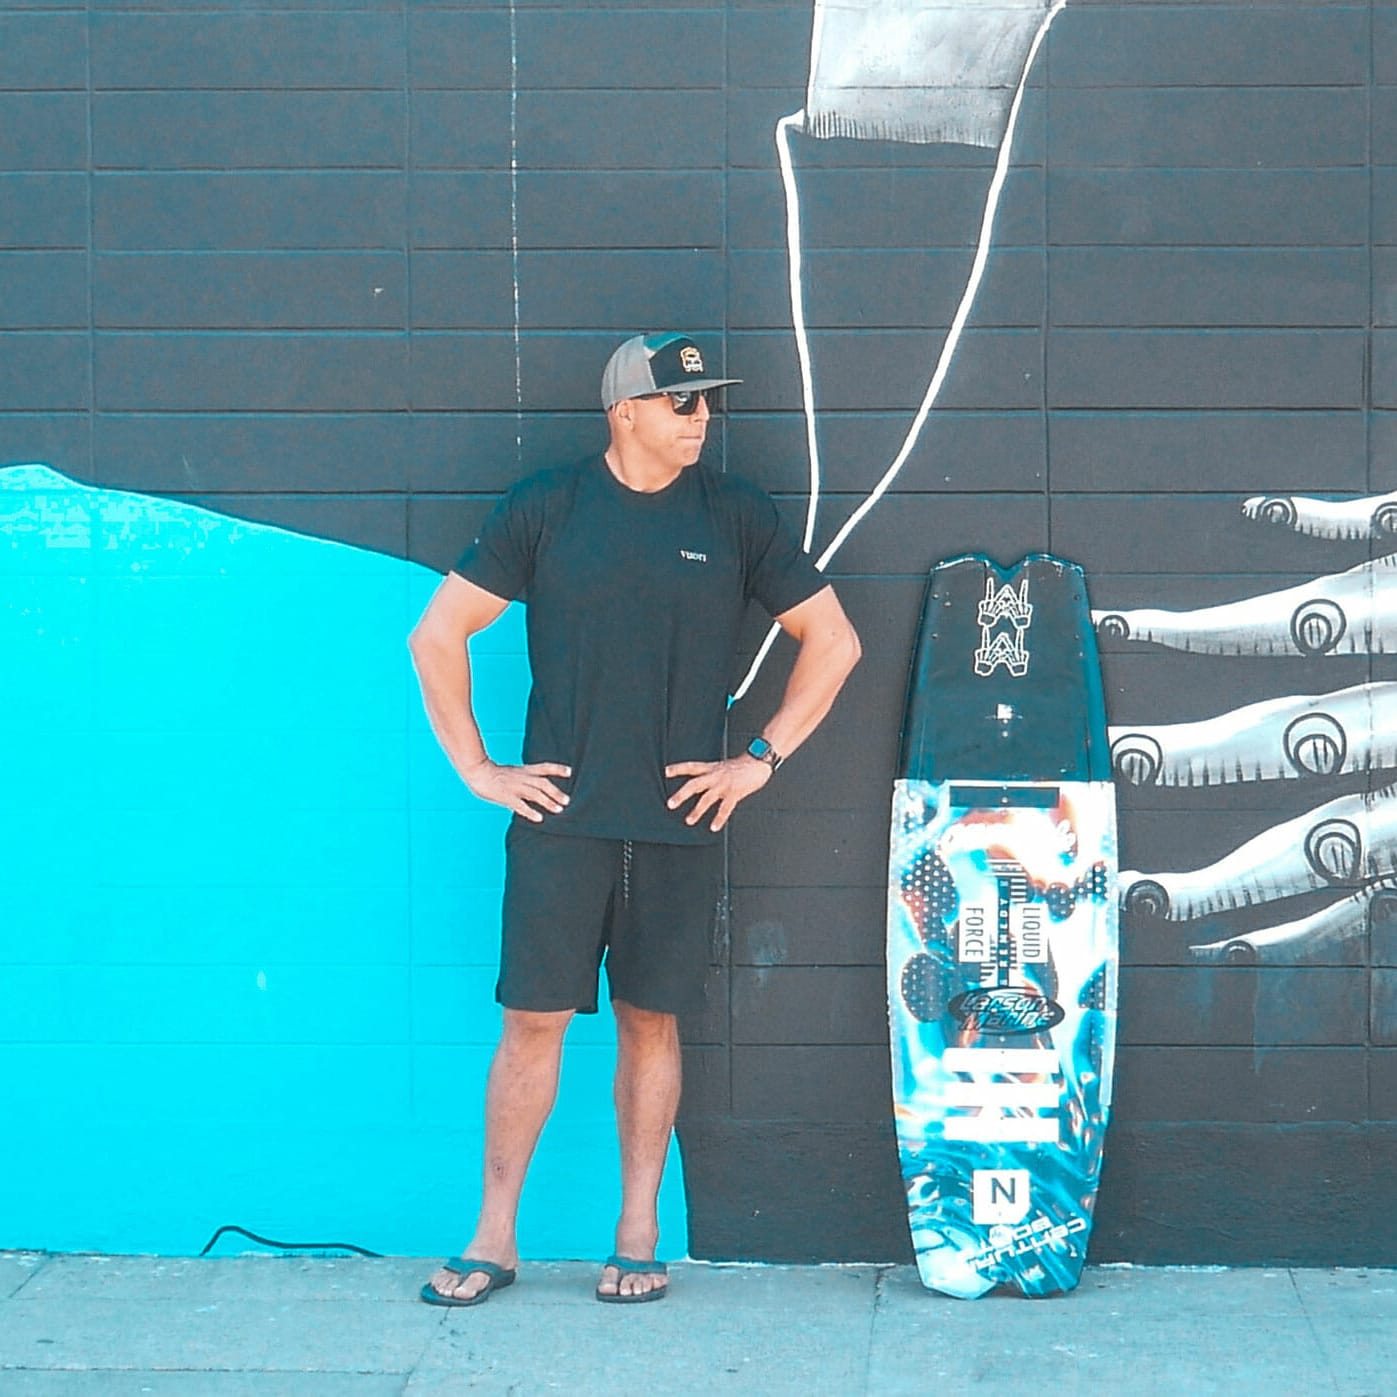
<point x="903" y="71"/>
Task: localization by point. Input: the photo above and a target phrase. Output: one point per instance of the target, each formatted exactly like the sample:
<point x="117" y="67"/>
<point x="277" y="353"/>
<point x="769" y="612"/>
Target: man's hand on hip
<point x="723" y="784"/>
<point x="519" y="788"/>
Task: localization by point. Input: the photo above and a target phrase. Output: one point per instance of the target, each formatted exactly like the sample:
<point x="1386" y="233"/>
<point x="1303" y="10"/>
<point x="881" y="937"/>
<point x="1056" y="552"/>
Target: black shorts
<point x="649" y="910"/>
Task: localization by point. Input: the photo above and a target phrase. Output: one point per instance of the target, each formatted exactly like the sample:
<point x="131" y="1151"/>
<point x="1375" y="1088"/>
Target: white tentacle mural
<point x="1350" y="613"/>
<point x="1353" y="729"/>
<point x="1340" y="844"/>
<point x="1374" y="516"/>
<point x="1345" y="845"/>
<point x="1334" y="934"/>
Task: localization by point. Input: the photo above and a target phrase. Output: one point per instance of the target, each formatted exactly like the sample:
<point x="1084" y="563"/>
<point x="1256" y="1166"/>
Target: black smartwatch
<point x="763" y="751"/>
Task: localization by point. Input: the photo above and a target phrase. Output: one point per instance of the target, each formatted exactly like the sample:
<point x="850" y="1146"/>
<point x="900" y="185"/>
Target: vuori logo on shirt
<point x="689" y="556"/>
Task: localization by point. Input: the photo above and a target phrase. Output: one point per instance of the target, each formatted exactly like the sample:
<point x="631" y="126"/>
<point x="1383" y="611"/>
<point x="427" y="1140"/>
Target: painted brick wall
<point x="352" y="270"/>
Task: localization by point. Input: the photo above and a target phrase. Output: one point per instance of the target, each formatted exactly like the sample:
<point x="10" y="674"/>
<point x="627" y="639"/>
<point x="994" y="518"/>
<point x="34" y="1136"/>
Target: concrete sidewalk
<point x="94" y="1326"/>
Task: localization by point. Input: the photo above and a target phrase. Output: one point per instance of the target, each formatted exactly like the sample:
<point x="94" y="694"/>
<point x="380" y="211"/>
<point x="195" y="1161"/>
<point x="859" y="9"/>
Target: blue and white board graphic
<point x="1002" y="929"/>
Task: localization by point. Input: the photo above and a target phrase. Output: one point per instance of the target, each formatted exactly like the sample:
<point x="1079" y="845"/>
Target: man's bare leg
<point x="522" y="1087"/>
<point x="648" y="1077"/>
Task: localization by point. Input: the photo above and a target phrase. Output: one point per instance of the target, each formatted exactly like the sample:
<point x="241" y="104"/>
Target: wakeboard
<point x="1003" y="929"/>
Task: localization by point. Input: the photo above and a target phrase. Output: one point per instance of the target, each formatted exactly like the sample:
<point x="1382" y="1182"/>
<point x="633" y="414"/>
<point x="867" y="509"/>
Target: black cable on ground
<point x="287" y="1246"/>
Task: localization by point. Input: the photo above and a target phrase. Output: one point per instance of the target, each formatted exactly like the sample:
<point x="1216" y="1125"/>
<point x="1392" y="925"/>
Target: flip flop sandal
<point x="629" y="1266"/>
<point x="497" y="1278"/>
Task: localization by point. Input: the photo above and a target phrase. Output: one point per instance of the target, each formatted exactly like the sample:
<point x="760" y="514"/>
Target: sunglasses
<point x="685" y="401"/>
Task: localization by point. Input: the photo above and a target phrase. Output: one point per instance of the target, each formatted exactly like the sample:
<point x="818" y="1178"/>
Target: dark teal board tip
<point x="1005" y="683"/>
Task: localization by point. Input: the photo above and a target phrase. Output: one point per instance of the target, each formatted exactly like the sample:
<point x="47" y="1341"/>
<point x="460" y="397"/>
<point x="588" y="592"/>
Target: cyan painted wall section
<point x="250" y="915"/>
<point x="287" y="297"/>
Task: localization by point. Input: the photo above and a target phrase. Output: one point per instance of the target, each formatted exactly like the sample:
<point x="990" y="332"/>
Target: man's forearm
<point x="444" y="672"/>
<point x="829" y="649"/>
<point x="822" y="664"/>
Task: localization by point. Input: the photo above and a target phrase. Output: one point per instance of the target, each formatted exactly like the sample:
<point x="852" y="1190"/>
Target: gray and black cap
<point x="656" y="363"/>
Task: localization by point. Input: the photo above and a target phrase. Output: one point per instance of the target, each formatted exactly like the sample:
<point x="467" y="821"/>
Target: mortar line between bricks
<point x="91" y="178"/>
<point x="1044" y="359"/>
<point x="514" y="234"/>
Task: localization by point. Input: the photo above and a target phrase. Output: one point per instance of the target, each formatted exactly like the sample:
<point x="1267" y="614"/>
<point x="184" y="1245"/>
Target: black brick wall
<point x="266" y="260"/>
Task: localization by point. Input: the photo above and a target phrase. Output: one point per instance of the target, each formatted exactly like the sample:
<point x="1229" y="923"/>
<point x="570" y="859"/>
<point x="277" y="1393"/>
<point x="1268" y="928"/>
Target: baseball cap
<point x="656" y="363"/>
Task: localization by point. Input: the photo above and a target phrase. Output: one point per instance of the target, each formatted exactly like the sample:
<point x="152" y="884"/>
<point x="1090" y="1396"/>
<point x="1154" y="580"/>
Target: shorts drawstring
<point x="625" y="871"/>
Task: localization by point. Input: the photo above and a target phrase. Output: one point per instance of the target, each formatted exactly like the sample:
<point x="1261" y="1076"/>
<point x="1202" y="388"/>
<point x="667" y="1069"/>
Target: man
<point x="636" y="567"/>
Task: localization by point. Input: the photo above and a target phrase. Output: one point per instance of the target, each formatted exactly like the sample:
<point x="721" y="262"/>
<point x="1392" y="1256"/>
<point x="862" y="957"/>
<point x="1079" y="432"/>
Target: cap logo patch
<point x="690" y="360"/>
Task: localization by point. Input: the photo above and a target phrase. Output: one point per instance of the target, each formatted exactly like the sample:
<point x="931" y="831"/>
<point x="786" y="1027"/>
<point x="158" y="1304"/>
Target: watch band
<point x="763" y="751"/>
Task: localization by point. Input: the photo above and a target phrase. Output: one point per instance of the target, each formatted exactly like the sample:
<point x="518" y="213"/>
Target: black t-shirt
<point x="634" y="602"/>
